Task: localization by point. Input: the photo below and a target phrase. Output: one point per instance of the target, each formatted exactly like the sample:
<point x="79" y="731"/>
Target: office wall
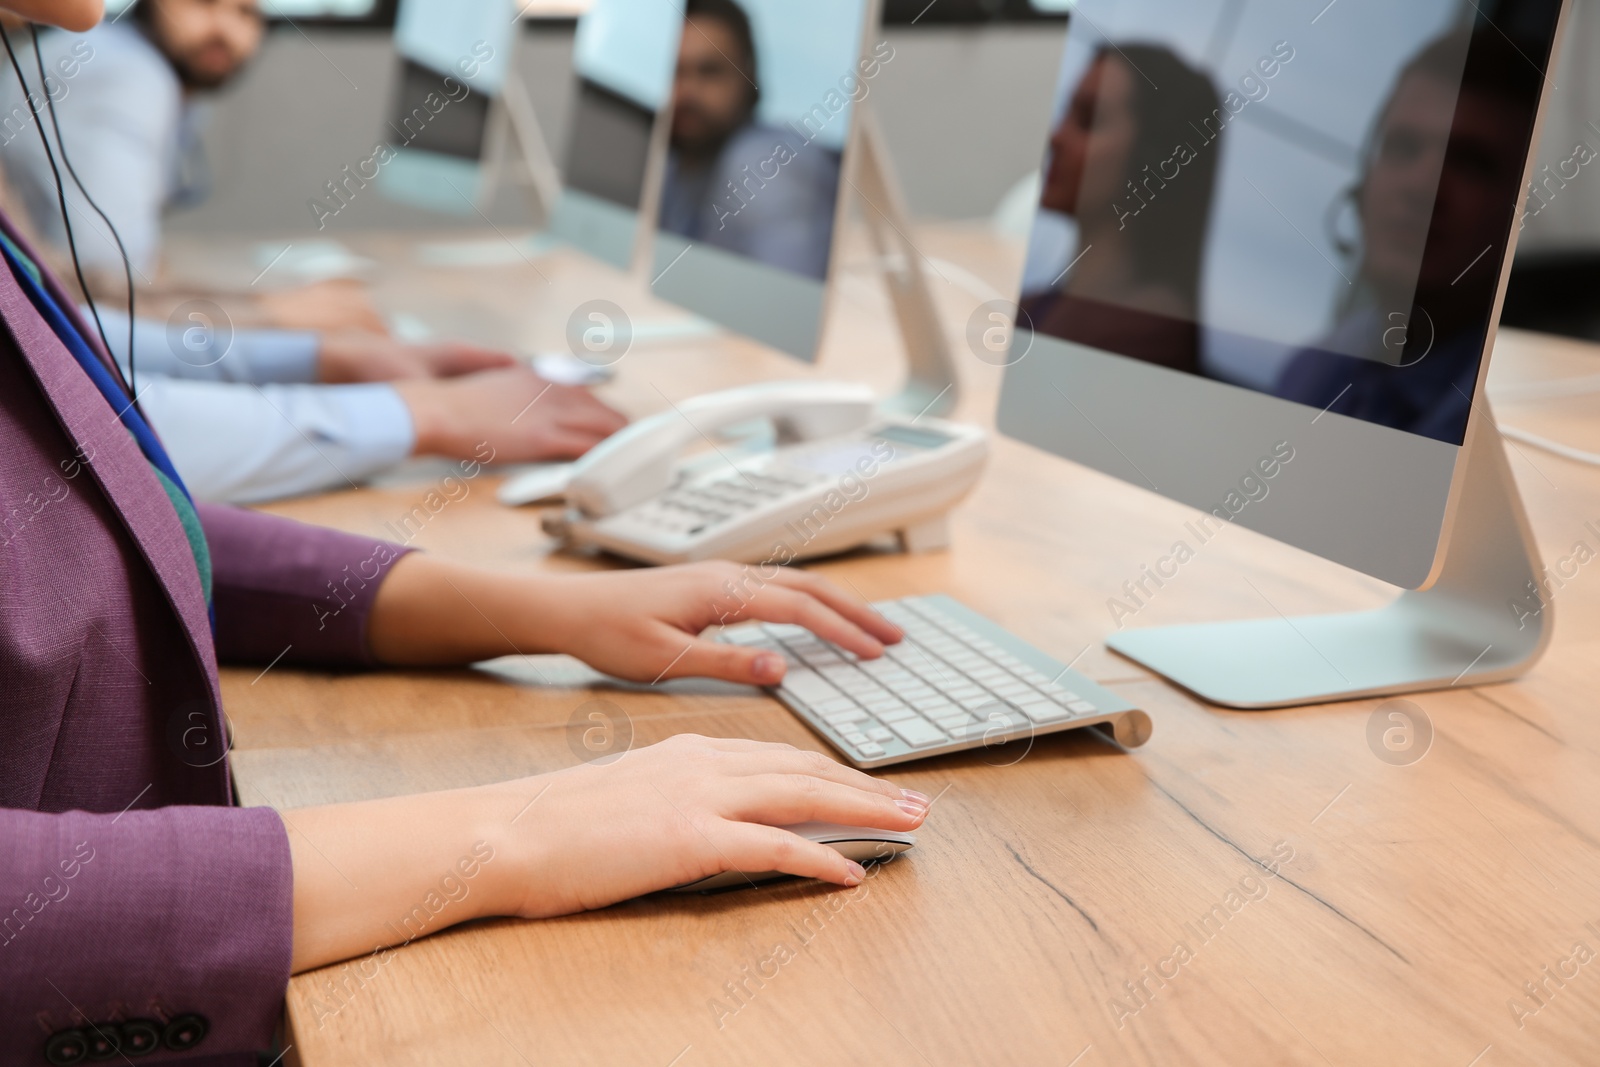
<point x="1565" y="215"/>
<point x="964" y="112"/>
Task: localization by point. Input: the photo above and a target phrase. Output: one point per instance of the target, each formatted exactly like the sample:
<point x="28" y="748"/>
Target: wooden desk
<point x="1411" y="905"/>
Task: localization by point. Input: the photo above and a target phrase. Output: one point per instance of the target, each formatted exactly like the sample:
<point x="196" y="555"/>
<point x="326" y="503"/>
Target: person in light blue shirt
<point x="244" y="420"/>
<point x="247" y="415"/>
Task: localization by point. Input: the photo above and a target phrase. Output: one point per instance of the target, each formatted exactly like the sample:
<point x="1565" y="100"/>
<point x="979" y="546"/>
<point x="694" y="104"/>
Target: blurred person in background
<point x="247" y="414"/>
<point x="734" y="182"/>
<point x="132" y="96"/>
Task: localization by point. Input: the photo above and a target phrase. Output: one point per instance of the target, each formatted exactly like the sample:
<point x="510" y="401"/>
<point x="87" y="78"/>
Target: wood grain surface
<point x="1248" y="888"/>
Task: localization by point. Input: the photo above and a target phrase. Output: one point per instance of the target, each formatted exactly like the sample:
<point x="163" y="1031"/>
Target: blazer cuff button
<point x="140" y="1037"/>
<point x="66" y="1046"/>
<point x="185" y="1032"/>
<point x="105" y="1041"/>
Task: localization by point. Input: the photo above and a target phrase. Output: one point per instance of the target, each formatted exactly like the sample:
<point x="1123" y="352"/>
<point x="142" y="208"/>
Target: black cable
<point x="127" y="264"/>
<point x="61" y="194"/>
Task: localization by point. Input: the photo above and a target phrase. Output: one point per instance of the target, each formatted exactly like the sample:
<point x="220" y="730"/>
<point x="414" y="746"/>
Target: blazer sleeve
<point x="288" y="592"/>
<point x="175" y="922"/>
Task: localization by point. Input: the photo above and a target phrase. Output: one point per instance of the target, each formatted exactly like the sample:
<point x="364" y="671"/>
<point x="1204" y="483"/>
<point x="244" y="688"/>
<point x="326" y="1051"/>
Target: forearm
<point x="432" y="612"/>
<point x="375" y="874"/>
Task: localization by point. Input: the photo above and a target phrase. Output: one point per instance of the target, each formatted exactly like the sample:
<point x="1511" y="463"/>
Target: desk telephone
<point x="834" y="473"/>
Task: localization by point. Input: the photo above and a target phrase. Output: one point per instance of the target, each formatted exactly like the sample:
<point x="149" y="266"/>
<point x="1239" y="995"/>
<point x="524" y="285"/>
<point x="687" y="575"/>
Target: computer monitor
<point x="1266" y="271"/>
<point x="762" y="129"/>
<point x="455" y="59"/>
<point x="623" y="57"/>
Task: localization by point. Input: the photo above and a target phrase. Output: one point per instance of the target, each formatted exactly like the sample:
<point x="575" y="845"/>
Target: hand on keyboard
<point x="645" y="625"/>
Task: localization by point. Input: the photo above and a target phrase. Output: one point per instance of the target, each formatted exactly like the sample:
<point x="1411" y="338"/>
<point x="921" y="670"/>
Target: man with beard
<point x="247" y="415"/>
<point x="133" y="109"/>
<point x="734" y="182"/>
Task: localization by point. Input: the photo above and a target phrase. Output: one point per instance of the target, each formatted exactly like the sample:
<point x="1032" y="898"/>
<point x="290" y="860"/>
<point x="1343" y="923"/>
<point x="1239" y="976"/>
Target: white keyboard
<point x="957" y="681"/>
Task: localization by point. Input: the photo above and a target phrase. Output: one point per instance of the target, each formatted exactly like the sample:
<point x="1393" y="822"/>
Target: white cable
<point x="1577" y="455"/>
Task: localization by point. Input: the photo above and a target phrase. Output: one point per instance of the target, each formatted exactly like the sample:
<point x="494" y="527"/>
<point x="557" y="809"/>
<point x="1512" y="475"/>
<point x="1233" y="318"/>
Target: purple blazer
<point x="138" y="904"/>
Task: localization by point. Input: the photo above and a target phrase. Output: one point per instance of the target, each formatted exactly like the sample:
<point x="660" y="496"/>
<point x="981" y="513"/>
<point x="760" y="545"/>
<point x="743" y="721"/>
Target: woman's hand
<point x="581" y="838"/>
<point x="645" y="625"/>
<point x="682" y="810"/>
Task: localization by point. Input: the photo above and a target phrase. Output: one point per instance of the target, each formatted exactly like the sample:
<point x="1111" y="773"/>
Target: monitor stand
<point x="1486" y="619"/>
<point x="932" y="386"/>
<point x="516" y="137"/>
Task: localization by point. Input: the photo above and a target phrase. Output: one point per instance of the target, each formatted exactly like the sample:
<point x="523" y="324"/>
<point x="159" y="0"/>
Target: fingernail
<point x="856" y="875"/>
<point x="916" y="797"/>
<point x="911" y="807"/>
<point x="768" y="667"/>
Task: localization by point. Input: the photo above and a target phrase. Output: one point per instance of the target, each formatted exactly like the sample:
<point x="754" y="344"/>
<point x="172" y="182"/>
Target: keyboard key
<point x="950" y="722"/>
<point x="1044" y="711"/>
<point x="899" y="714"/>
<point x="809" y="687"/>
<point x="880" y="733"/>
<point x="839" y="718"/>
<point x="856" y="739"/>
<point x="870" y="749"/>
<point x="918" y="732"/>
<point x="1082" y="707"/>
<point x="827" y="707"/>
<point x="784" y="631"/>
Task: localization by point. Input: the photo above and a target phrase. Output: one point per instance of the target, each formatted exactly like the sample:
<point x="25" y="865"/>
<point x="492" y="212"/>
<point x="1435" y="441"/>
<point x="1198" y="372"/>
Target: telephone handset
<point x="836" y="474"/>
<point x="637" y="461"/>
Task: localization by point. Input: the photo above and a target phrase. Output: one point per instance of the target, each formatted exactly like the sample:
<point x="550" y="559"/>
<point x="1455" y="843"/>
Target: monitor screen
<point x="435" y="113"/>
<point x="609" y="153"/>
<point x="1315" y="206"/>
<point x="622" y="59"/>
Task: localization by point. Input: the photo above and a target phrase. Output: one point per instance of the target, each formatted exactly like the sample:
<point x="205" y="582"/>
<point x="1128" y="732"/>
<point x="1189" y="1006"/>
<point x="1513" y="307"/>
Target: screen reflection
<point x="1320" y="213"/>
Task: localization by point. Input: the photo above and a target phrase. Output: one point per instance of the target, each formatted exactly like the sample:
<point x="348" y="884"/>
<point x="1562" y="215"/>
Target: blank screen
<point x="455" y="129"/>
<point x="610" y="145"/>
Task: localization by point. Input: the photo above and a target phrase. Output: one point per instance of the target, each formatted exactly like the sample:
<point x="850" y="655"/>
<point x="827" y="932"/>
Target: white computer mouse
<point x="864" y="844"/>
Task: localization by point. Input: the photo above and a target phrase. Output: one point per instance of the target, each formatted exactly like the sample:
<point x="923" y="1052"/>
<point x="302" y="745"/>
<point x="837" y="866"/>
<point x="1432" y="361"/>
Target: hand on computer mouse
<point x="520" y="417"/>
<point x="684" y="809"/>
<point x="352" y="356"/>
<point x="645" y="625"/>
